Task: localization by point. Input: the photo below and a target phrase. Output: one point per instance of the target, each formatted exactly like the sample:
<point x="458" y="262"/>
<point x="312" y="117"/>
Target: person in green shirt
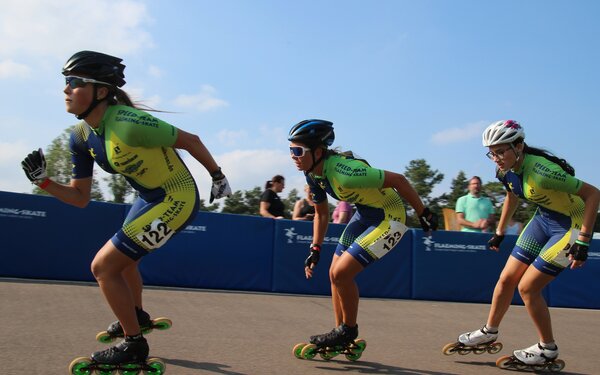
<point x="122" y="139"/>
<point x="474" y="212"/>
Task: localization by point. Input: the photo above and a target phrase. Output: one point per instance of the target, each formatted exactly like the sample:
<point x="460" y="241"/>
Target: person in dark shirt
<point x="270" y="204"/>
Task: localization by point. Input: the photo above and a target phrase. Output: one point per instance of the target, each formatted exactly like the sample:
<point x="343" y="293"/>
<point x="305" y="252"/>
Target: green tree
<point x="243" y="203"/>
<point x="210" y="208"/>
<point x="423" y="179"/>
<point x="59" y="166"/>
<point x="119" y="187"/>
<point x="458" y="188"/>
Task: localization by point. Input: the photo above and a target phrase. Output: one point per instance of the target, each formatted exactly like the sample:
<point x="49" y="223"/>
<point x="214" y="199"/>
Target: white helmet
<point x="505" y="131"/>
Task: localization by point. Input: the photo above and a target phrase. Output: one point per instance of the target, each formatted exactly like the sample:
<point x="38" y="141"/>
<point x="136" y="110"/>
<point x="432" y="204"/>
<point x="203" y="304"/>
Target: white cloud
<point x="11" y="69"/>
<point x="231" y="138"/>
<point x="457" y="135"/>
<point x="58" y="29"/>
<point x="137" y="95"/>
<point x="246" y="169"/>
<point x="155" y="71"/>
<point x="203" y="101"/>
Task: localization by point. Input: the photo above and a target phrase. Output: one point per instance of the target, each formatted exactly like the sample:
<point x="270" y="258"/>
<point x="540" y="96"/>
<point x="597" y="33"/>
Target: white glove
<point x="220" y="186"/>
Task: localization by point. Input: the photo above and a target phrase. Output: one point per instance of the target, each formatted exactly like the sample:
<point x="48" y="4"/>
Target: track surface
<point x="47" y="324"/>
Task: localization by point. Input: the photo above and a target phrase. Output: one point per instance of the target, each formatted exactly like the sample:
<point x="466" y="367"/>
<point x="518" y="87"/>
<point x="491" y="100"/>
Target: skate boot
<point x="478" y="342"/>
<point x="128" y="350"/>
<point x="128" y="357"/>
<point x="340" y="340"/>
<point x="115" y="330"/>
<point x="536" y="357"/>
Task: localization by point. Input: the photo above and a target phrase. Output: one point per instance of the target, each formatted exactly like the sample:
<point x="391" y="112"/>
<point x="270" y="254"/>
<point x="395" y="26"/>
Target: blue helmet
<point x="313" y="133"/>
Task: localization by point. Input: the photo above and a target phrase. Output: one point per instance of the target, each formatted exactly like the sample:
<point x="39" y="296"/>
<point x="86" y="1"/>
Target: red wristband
<point x="44" y="184"/>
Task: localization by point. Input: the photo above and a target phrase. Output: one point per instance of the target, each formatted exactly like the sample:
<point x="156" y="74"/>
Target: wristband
<point x="216" y="175"/>
<point x="583" y="234"/>
<point x="582" y="243"/>
<point x="314" y="246"/>
<point x="44" y="184"/>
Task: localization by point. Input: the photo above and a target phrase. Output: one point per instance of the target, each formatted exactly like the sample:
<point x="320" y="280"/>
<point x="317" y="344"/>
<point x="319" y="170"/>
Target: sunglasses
<point x="298" y="151"/>
<point x="75" y="82"/>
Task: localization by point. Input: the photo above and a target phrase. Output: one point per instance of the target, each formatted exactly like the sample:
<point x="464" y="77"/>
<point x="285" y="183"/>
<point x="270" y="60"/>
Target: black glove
<point x="313" y="258"/>
<point x="579" y="250"/>
<point x="220" y="186"/>
<point x="429" y="220"/>
<point x="495" y="241"/>
<point x="34" y="166"/>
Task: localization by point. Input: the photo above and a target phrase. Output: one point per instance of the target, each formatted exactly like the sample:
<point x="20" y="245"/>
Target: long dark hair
<point x="548" y="155"/>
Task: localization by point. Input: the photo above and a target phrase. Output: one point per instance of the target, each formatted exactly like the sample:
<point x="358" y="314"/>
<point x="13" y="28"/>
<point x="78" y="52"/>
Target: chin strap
<point x="93" y="105"/>
<point x="315" y="162"/>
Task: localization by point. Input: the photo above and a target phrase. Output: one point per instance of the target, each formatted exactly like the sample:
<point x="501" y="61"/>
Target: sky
<point x="400" y="80"/>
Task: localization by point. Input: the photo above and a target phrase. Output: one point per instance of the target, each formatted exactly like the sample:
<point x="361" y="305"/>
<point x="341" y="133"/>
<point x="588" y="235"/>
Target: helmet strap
<point x="315" y="162"/>
<point x="517" y="154"/>
<point x="92" y="105"/>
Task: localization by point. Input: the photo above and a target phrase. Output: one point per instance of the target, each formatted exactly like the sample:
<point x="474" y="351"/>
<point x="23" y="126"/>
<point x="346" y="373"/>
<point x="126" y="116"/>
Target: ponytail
<point x="118" y="96"/>
<point x="548" y="155"/>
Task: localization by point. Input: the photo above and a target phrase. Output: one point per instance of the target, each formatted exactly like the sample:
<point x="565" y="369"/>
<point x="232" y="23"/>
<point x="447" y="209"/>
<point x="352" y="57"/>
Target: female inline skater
<point x="558" y="234"/>
<point x="123" y="139"/>
<point x="376" y="227"/>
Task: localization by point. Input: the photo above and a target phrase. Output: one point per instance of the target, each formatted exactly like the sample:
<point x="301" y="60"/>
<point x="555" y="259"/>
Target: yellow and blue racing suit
<point x="378" y="224"/>
<point x="138" y="146"/>
<point x="558" y="218"/>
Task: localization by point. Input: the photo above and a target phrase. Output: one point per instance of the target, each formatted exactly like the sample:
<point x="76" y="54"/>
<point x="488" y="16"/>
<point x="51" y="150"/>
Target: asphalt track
<point x="47" y="324"/>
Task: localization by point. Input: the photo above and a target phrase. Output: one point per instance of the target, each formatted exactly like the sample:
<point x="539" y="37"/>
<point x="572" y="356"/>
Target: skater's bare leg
<point x="108" y="266"/>
<point x="342" y="276"/>
<point x="134" y="281"/>
<point x="530" y="288"/>
<point x="335" y="297"/>
<point x="504" y="290"/>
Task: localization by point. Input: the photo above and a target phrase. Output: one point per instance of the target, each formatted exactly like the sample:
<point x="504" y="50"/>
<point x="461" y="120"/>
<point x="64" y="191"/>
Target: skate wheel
<point x="479" y="350"/>
<point x="463" y="351"/>
<point x="361" y="345"/>
<point x="130" y="369"/>
<point x="162" y="323"/>
<point x="104" y="337"/>
<point x="449" y="349"/>
<point x="297" y="350"/>
<point x="327" y="356"/>
<point x="504" y="362"/>
<point x="495" y="348"/>
<point x="353" y="355"/>
<point x="156" y="367"/>
<point x="80" y="366"/>
<point x="309" y="351"/>
<point x="105" y="369"/>
<point x="556" y="365"/>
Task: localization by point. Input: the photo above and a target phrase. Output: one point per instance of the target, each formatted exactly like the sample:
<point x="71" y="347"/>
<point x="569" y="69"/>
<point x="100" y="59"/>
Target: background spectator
<point x="342" y="213"/>
<point x="304" y="209"/>
<point x="474" y="212"/>
<point x="270" y="204"/>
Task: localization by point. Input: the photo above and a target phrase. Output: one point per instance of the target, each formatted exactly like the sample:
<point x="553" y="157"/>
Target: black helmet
<point x="313" y="132"/>
<point x="98" y="66"/>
